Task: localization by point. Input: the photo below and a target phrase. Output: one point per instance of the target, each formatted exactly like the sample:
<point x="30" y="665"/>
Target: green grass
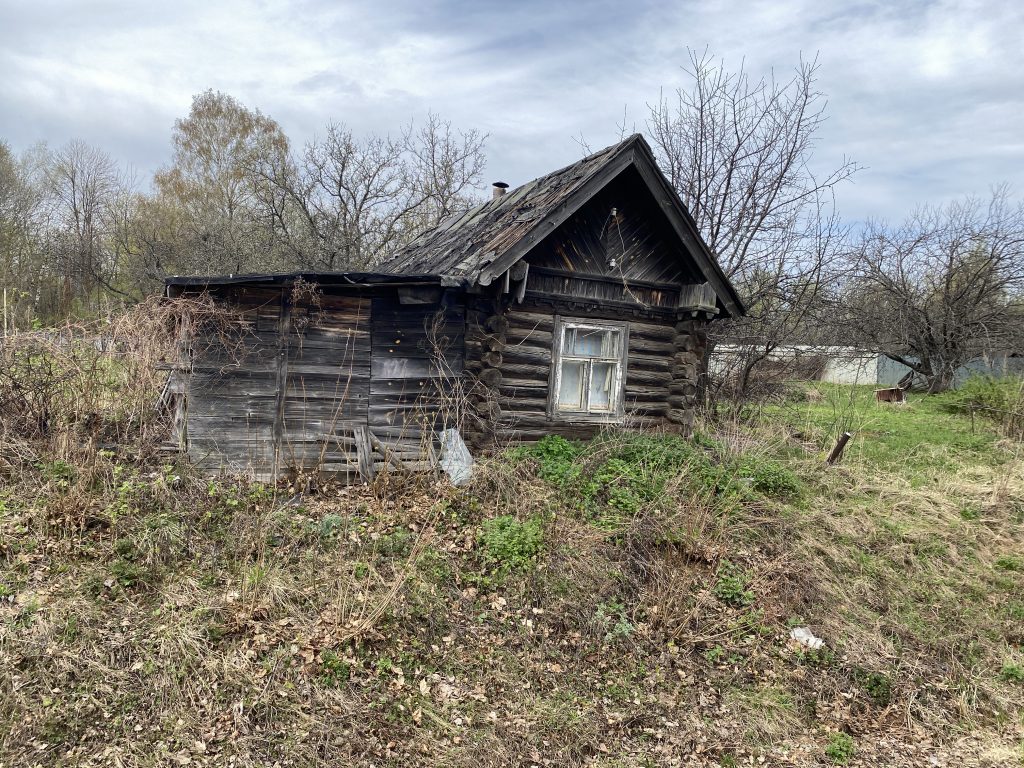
<point x="917" y="438"/>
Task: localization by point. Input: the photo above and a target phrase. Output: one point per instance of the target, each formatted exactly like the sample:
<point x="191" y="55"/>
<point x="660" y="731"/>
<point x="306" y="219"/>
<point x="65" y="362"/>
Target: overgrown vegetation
<point x="997" y="400"/>
<point x="625" y="601"/>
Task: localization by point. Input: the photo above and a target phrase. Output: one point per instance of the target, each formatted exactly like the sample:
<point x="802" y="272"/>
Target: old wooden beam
<point x="364" y="453"/>
<point x="388" y="454"/>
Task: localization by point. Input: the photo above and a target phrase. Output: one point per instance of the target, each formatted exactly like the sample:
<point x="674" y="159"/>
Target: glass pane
<point x="568" y="337"/>
<point x="570" y="387"/>
<point x="589" y="342"/>
<point x="602" y="385"/>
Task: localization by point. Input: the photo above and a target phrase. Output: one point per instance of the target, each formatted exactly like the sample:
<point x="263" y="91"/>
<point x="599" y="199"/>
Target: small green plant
<point x="124" y="549"/>
<point x="840" y="749"/>
<point x="510" y="544"/>
<point x="970" y="512"/>
<point x="26" y="614"/>
<point x="434" y="566"/>
<point x="555" y="457"/>
<point x="330" y="526"/>
<point x="612" y="618"/>
<point x="127" y="574"/>
<point x="58" y="472"/>
<point x="714" y="655"/>
<point x="69" y="632"/>
<point x="398" y="543"/>
<point x="731" y="585"/>
<point x="335" y="671"/>
<point x="1012" y="672"/>
<point x="1010" y="563"/>
<point x="770" y="478"/>
<point x="816" y="657"/>
<point x="877" y="686"/>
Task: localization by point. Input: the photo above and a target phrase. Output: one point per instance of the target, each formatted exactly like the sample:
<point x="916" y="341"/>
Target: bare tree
<point x="943" y="287"/>
<point x="84" y="186"/>
<point x="739" y="154"/>
<point x="348" y="203"/>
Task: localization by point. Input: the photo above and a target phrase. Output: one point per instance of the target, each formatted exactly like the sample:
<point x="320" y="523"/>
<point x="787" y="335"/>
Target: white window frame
<point x="615" y="410"/>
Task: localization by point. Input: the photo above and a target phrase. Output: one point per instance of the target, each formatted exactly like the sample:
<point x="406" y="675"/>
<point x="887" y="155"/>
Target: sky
<point x="927" y="96"/>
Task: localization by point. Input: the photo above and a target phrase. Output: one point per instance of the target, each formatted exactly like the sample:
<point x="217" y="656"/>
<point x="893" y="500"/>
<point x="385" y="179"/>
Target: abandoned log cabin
<point x="576" y="300"/>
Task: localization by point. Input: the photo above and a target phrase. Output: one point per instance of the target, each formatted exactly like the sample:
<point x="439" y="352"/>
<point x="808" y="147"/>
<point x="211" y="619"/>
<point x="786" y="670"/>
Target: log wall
<point x="349" y="382"/>
<point x="509" y="356"/>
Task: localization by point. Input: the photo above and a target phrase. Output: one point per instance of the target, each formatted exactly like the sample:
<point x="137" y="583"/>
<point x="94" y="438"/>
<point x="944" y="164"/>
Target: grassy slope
<point x="624" y="604"/>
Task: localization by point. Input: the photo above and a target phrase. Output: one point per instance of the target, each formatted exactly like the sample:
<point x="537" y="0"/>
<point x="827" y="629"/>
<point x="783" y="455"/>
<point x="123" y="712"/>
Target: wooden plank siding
<point x="636" y="238"/>
<point x="290" y="392"/>
<point x="231" y="398"/>
<point x="417" y="354"/>
<point x="326" y="383"/>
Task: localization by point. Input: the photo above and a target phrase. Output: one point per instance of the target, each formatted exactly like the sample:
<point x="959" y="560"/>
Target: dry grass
<point x="153" y="617"/>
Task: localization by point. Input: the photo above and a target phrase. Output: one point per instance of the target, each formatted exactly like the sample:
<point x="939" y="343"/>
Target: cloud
<point x="926" y="95"/>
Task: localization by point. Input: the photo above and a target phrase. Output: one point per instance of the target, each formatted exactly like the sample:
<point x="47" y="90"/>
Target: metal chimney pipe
<point x="498" y="189"/>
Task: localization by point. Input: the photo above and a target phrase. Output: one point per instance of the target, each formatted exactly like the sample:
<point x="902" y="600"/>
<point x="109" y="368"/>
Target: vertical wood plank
<point x="283" y="333"/>
<point x="364" y="453"/>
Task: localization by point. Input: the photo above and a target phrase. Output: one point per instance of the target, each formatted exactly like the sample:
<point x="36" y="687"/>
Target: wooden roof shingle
<point x="486" y="240"/>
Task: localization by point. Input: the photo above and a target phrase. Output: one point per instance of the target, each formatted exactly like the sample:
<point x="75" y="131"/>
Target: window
<point x="589" y="360"/>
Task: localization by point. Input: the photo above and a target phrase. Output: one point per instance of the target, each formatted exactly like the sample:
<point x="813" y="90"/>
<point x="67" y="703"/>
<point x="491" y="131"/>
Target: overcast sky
<point x="927" y="96"/>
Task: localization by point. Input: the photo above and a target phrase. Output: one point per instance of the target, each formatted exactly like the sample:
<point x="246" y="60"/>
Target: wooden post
<point x="837" y="452"/>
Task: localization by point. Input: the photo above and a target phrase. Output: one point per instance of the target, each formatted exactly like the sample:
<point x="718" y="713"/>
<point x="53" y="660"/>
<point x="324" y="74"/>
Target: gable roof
<point x="480" y="244"/>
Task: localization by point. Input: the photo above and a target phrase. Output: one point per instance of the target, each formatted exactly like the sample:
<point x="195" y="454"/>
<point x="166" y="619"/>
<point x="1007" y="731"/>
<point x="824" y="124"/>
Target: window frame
<point x="617" y="410"/>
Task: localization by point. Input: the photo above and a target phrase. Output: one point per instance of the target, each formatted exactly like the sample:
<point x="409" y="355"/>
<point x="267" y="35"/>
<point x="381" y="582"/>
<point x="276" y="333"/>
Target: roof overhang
<point x="323" y="279"/>
<point x="637" y="154"/>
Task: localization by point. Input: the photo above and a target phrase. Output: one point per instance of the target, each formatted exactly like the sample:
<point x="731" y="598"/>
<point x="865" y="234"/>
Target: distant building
<point x="853" y="365"/>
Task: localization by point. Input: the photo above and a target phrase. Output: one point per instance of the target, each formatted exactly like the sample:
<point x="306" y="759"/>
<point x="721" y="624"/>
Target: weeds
<point x="510" y="544"/>
<point x="616" y="602"/>
<point x="840" y="749"/>
<point x="731" y="585"/>
<point x="1012" y="672"/>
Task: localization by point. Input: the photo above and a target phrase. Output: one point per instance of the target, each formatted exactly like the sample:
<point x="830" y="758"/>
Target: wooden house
<point x="576" y="300"/>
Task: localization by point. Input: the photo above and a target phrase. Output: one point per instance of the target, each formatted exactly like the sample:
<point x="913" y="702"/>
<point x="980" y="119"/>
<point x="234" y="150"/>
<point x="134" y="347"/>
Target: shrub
<point x="510" y="544"/>
<point x="998" y="399"/>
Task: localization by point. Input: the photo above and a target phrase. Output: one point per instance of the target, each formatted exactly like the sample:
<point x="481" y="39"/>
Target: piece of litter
<point x="455" y="459"/>
<point x="806" y="638"/>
